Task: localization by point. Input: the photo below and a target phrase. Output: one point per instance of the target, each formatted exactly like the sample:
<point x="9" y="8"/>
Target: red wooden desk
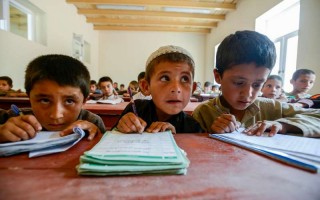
<point x="21" y="102"/>
<point x="111" y="113"/>
<point x="217" y="171"/>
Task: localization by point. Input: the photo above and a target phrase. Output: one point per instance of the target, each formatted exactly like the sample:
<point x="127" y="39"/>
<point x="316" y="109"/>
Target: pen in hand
<point x="16" y="110"/>
<point x="222" y="112"/>
<point x="132" y="102"/>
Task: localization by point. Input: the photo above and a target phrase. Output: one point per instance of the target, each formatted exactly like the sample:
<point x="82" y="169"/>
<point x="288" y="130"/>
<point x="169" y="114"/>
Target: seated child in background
<point x="95" y="93"/>
<point x="57" y="86"/>
<point x="6" y="88"/>
<point x="106" y="86"/>
<point x="272" y="88"/>
<point x="243" y="62"/>
<point x="302" y="81"/>
<point x="169" y="79"/>
<point x="134" y="86"/>
<point x="142" y="94"/>
<point x="207" y="87"/>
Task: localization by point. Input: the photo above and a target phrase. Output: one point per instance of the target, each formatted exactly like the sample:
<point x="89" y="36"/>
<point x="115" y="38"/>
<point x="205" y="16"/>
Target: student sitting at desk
<point x="169" y="79"/>
<point x="106" y="86"/>
<point x="6" y="88"/>
<point x="57" y="87"/>
<point x="244" y="61"/>
<point x="302" y="81"/>
<point x="142" y="94"/>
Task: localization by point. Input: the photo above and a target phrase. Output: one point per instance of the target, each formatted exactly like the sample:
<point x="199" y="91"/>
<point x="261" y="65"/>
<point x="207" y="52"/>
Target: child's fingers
<point x="226" y="123"/>
<point x="130" y="123"/>
<point x="91" y="128"/>
<point x="161" y="126"/>
<point x="24" y="127"/>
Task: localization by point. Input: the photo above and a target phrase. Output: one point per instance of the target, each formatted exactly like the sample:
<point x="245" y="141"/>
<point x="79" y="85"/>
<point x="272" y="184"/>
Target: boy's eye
<point x="238" y="83"/>
<point x="256" y="85"/>
<point x="70" y="101"/>
<point x="44" y="101"/>
<point x="185" y="79"/>
<point x="164" y="78"/>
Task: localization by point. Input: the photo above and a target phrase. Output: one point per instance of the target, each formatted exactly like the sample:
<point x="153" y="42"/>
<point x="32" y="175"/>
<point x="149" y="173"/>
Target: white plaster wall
<point x="123" y="54"/>
<point x="62" y="21"/>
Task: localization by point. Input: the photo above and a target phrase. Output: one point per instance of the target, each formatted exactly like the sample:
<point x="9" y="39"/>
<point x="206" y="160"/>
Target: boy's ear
<point x="291" y="81"/>
<point x="217" y="76"/>
<point x="145" y="87"/>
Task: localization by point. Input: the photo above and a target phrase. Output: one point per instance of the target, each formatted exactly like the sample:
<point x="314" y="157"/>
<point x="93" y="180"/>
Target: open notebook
<point x="124" y="154"/>
<point x="105" y="101"/>
<point x="45" y="142"/>
<point x="301" y="152"/>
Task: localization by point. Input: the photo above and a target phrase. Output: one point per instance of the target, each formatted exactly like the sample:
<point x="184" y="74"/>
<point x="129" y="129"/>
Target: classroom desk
<point x="22" y="102"/>
<point x="217" y="171"/>
<point x="111" y="113"/>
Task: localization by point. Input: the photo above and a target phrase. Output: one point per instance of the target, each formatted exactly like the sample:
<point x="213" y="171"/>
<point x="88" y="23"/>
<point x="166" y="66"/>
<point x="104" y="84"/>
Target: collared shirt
<point x="308" y="120"/>
<point x="146" y="110"/>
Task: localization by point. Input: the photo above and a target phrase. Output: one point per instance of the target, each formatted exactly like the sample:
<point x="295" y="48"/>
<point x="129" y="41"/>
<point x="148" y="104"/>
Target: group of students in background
<point x="244" y="62"/>
<point x="106" y="89"/>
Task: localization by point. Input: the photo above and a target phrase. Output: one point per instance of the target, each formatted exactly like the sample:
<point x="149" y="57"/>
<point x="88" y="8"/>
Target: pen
<point x="221" y="112"/>
<point x="16" y="110"/>
<point x="132" y="102"/>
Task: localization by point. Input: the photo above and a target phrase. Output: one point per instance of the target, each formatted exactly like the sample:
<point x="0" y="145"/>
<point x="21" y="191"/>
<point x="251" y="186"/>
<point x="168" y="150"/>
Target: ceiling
<point x="198" y="16"/>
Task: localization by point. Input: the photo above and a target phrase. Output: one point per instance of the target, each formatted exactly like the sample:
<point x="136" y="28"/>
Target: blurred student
<point x="207" y="89"/>
<point x="169" y="79"/>
<point x="106" y="86"/>
<point x="142" y="94"/>
<point x="134" y="87"/>
<point x="302" y="81"/>
<point x="57" y="86"/>
<point x="272" y="88"/>
<point x="6" y="88"/>
<point x="244" y="61"/>
<point x="115" y="86"/>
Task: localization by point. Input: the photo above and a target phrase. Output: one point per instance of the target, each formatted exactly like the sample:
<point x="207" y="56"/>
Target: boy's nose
<point x="56" y="111"/>
<point x="176" y="87"/>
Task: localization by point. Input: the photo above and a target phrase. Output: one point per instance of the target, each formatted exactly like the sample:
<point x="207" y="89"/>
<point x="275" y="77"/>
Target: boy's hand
<point x="260" y="127"/>
<point x="161" y="126"/>
<point x="19" y="128"/>
<point x="225" y="123"/>
<point x="130" y="123"/>
<point x="84" y="125"/>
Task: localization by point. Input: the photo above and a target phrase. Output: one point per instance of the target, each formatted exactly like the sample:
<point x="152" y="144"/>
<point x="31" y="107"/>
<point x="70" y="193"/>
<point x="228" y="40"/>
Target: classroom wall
<point x="62" y="21"/>
<point x="244" y="18"/>
<point x="123" y="54"/>
<point x="309" y="39"/>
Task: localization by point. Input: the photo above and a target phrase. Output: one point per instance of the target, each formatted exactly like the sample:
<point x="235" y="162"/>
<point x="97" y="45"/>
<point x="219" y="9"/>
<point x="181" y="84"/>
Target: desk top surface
<point x="217" y="171"/>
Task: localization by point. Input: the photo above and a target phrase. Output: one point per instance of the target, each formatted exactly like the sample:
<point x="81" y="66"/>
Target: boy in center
<point x="169" y="79"/>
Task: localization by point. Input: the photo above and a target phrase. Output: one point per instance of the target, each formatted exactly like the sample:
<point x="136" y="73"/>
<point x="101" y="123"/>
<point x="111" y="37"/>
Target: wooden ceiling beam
<point x="151" y="28"/>
<point x="165" y="3"/>
<point x="105" y="12"/>
<point x="142" y="22"/>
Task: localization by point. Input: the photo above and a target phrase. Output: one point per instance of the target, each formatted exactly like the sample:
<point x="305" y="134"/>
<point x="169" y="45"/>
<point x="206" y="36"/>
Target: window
<point x="24" y="19"/>
<point x="281" y="24"/>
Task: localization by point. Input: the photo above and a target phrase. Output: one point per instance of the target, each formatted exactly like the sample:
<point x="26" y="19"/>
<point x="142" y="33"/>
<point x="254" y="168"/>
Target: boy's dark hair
<point x="7" y="79"/>
<point x="275" y="77"/>
<point x="141" y="75"/>
<point x="105" y="79"/>
<point x="207" y="84"/>
<point x="121" y="85"/>
<point x="300" y="72"/>
<point x="93" y="82"/>
<point x="245" y="47"/>
<point x="64" y="70"/>
<point x="135" y="84"/>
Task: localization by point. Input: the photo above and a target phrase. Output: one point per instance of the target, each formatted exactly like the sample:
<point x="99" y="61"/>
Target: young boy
<point x="169" y="79"/>
<point x="142" y="94"/>
<point x="6" y="88"/>
<point x="302" y="81"/>
<point x="57" y="86"/>
<point x="272" y="88"/>
<point x="244" y="61"/>
<point x="106" y="86"/>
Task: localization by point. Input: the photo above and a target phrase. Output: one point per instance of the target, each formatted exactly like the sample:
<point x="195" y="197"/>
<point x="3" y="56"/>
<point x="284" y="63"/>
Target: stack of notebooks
<point x="125" y="154"/>
<point x="298" y="151"/>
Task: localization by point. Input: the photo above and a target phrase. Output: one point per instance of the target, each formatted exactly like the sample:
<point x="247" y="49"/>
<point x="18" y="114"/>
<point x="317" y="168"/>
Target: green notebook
<point x="123" y="154"/>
